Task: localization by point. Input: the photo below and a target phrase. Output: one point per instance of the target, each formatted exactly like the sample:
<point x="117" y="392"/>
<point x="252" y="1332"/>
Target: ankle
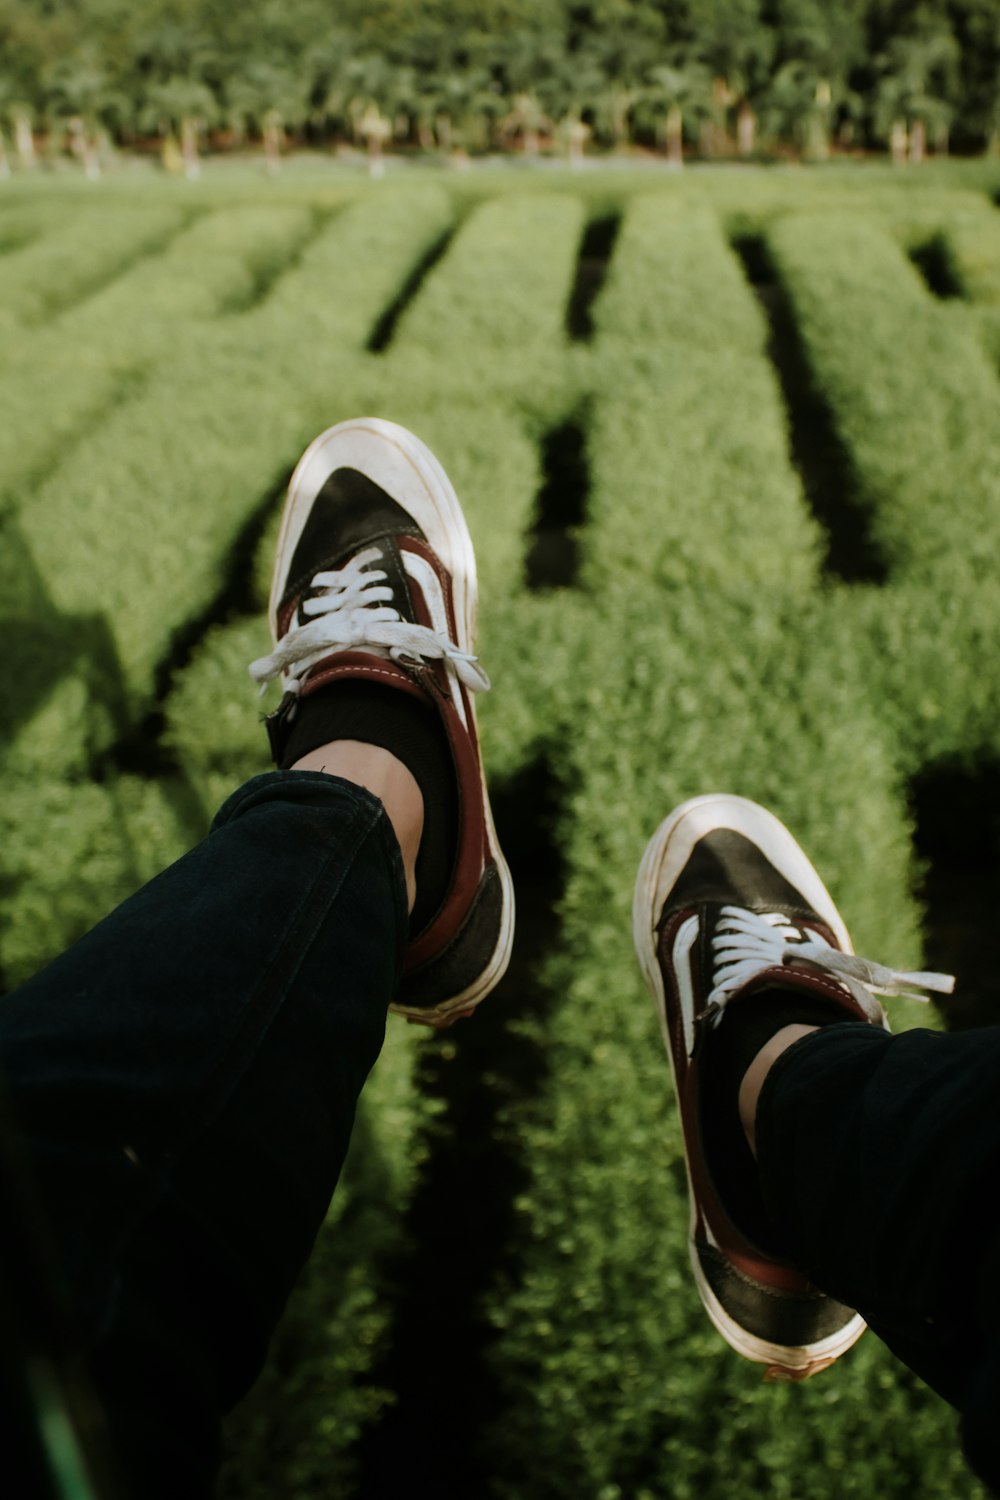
<point x="383" y="774"/>
<point x="753" y="1078"/>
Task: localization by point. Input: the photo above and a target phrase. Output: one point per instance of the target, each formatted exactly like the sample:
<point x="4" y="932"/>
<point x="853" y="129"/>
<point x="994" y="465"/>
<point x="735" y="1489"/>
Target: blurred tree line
<point x="467" y="76"/>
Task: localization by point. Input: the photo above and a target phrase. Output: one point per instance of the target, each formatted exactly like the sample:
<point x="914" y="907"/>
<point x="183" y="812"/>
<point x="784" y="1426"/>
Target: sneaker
<point x="727" y="905"/>
<point x="375" y="580"/>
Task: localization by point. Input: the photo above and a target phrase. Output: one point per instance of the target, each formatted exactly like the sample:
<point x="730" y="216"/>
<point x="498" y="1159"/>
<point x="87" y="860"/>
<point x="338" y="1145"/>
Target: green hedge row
<point x="244" y="397"/>
<point x="720" y="668"/>
<point x="911" y="396"/>
<point x="699" y="652"/>
<point x="613" y="1380"/>
<point x="218" y="264"/>
<point x="673" y="277"/>
<point x="81" y="252"/>
<point x="974" y="242"/>
<point x="23" y="222"/>
<point x="502" y="288"/>
<point x="690" y="473"/>
<point x="56" y="382"/>
<point x="70" y="850"/>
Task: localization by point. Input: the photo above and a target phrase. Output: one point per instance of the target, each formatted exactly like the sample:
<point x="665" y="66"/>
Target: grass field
<point x="729" y="445"/>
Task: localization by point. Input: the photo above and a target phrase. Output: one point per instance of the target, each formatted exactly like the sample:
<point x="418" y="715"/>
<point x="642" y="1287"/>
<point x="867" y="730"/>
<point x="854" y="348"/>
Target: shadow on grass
<point x="957" y="813"/>
<point x="823" y="461"/>
<point x="461" y="1223"/>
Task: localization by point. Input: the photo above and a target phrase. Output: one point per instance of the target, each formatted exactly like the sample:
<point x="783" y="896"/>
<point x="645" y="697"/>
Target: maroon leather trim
<point x="362" y="666"/>
<point x="473" y="854"/>
<point x="284" y="616"/>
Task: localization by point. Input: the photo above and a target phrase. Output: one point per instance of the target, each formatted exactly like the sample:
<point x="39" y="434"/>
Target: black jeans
<point x="187" y="1074"/>
<point x="879" y="1158"/>
<point x="186" y="1079"/>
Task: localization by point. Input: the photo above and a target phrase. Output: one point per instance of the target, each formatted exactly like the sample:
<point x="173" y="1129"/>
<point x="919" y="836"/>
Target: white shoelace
<point x="354" y="611"/>
<point x="746" y="942"/>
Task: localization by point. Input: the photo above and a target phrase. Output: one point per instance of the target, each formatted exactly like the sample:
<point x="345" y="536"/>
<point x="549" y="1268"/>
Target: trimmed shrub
<point x="69" y="852"/>
<point x="81" y="252"/>
<point x="673" y="276"/>
<point x="690" y="472"/>
<point x="175" y="521"/>
<point x="699" y="652"/>
<point x="503" y="284"/>
<point x="911" y="397"/>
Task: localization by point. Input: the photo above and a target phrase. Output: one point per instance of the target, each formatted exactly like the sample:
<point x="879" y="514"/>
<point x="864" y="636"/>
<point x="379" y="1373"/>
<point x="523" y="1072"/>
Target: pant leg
<point x="879" y="1158"/>
<point x="186" y="1079"/>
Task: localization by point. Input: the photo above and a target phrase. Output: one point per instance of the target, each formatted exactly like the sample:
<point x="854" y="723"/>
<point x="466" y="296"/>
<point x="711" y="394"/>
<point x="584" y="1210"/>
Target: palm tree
<point x="798" y="106"/>
<point x="526" y="122"/>
<point x="917" y="74"/>
<point x="20" y="115"/>
<point x="83" y="102"/>
<point x="613" y="71"/>
<point x="467" y="107"/>
<point x="372" y="87"/>
<point x="269" y="98"/>
<point x="181" y="108"/>
<point x="993" y="117"/>
<point x="375" y="130"/>
<point x="675" y="92"/>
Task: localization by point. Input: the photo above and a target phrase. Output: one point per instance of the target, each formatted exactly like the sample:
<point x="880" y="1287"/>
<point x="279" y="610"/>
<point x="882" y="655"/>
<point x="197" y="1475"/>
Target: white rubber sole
<point x="407" y="470"/>
<point x="665" y="857"/>
<point x="782" y="1361"/>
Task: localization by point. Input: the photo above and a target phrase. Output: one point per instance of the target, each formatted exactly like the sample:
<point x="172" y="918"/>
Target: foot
<point x="740" y="941"/>
<point x="375" y="583"/>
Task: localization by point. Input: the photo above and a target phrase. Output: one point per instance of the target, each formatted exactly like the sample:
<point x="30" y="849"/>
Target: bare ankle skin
<point x="389" y="779"/>
<point x="753" y="1078"/>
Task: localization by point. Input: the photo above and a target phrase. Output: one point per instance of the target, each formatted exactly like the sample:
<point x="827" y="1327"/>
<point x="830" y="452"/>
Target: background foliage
<point x="472" y="75"/>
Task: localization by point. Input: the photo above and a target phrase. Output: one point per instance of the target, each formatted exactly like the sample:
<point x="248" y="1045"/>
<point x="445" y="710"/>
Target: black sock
<point x="745" y="1028"/>
<point x="413" y="732"/>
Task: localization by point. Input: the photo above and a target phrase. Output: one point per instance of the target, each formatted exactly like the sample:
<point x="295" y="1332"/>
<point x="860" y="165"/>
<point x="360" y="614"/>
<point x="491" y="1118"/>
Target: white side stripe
<point x="687" y="936"/>
<point x="425" y="577"/>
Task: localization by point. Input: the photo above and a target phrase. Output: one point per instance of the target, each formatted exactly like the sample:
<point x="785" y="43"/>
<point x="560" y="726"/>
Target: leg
<point x="187" y="1075"/>
<point x="186" y="1078"/>
<point x="872" y="1195"/>
<point x="878" y="1159"/>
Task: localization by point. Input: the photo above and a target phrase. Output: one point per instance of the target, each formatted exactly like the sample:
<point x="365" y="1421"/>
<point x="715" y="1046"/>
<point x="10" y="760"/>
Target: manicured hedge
<point x="911" y="396"/>
<point x="218" y="264"/>
<point x="69" y="851"/>
<point x="504" y="283"/>
<point x="974" y="242"/>
<point x="690" y="472"/>
<point x="85" y="249"/>
<point x="245" y="399"/>
<point x="673" y="277"/>
<point x="700" y="651"/>
<point x="706" y="664"/>
<point x="57" y="382"/>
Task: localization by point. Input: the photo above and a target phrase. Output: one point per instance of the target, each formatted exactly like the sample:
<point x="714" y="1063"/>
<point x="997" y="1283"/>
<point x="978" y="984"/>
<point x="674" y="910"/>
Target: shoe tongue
<point x="373" y="665"/>
<point x="801" y="980"/>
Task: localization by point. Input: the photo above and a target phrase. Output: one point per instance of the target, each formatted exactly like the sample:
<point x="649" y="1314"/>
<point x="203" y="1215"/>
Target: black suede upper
<point x="352" y="511"/>
<point x="727" y="869"/>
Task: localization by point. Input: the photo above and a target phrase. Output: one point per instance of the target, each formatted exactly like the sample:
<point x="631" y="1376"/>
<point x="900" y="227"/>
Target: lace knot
<point x="746" y="943"/>
<point x="351" y="608"/>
